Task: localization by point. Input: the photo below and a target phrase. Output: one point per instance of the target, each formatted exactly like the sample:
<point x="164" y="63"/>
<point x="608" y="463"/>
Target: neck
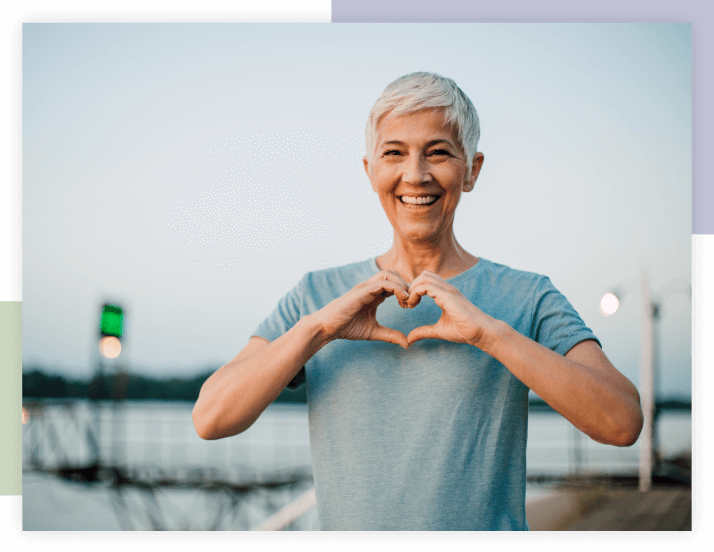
<point x="445" y="258"/>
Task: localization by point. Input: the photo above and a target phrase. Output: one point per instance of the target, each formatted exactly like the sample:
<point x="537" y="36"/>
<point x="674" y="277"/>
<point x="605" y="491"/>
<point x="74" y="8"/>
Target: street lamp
<point x="650" y="313"/>
<point x="609" y="303"/>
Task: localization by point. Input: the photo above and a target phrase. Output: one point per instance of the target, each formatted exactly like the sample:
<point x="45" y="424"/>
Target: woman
<point x="418" y="363"/>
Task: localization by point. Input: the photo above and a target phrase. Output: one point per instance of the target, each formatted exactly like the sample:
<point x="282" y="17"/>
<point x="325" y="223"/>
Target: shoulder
<point x="314" y="291"/>
<point x="321" y="286"/>
<point x="346" y="274"/>
<point x="508" y="279"/>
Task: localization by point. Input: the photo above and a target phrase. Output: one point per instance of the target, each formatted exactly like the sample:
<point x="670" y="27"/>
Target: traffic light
<point x="111" y="328"/>
<point x="112" y="320"/>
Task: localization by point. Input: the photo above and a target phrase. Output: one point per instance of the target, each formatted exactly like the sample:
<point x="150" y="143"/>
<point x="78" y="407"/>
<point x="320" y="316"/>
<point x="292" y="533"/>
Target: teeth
<point x="418" y="200"/>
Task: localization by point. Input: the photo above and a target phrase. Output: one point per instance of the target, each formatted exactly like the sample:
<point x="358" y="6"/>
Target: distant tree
<point x="37" y="384"/>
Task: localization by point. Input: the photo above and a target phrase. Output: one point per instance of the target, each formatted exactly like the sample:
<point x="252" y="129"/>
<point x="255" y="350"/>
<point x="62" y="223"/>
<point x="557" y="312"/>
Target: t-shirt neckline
<point x="453" y="280"/>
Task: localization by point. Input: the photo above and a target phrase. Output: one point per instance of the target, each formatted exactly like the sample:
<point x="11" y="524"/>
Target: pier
<point x="156" y="474"/>
<point x="617" y="504"/>
<point x="666" y="509"/>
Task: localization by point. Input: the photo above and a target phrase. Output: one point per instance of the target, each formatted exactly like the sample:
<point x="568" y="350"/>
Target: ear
<point x="475" y="170"/>
<point x="366" y="169"/>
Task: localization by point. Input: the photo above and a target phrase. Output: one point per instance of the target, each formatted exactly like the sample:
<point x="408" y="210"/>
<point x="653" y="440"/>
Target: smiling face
<point x="419" y="171"/>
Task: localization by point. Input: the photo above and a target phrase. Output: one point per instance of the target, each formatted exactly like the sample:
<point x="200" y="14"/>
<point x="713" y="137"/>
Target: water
<point x="157" y="439"/>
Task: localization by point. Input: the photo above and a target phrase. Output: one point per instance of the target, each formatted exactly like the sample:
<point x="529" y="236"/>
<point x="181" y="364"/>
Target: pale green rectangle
<point x="11" y="398"/>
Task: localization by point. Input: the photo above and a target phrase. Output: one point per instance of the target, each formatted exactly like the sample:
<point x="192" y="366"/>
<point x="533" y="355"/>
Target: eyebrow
<point x="428" y="144"/>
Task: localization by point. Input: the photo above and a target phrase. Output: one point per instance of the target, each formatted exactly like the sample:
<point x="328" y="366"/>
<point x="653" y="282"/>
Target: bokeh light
<point x="109" y="346"/>
<point x="609" y="303"/>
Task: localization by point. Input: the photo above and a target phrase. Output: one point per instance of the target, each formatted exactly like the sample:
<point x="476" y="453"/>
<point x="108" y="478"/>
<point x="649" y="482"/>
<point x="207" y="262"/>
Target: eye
<point x="392" y="152"/>
<point x="439" y="151"/>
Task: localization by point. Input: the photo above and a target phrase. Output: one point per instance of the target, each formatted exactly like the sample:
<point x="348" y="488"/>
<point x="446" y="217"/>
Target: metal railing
<point x="290" y="513"/>
<point x="88" y="443"/>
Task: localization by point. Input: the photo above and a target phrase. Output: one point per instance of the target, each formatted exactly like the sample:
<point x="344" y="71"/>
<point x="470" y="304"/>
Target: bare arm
<point x="583" y="385"/>
<point x="235" y="395"/>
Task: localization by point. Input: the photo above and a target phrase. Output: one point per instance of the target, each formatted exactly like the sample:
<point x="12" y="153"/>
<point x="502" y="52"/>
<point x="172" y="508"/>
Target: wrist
<point x="492" y="336"/>
<point x="316" y="333"/>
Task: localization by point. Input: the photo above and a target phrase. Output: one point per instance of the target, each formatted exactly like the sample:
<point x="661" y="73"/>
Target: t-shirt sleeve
<point x="556" y="324"/>
<point x="284" y="317"/>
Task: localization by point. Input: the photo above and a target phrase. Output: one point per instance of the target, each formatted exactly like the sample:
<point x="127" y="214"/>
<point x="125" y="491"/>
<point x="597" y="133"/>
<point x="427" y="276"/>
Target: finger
<point x="365" y="295"/>
<point x="422" y="332"/>
<point x="389" y="335"/>
<point x="430" y="277"/>
<point x="418" y="291"/>
<point x="392" y="276"/>
<point x="376" y="287"/>
<point x="398" y="278"/>
<point x="426" y="275"/>
<point x="368" y="290"/>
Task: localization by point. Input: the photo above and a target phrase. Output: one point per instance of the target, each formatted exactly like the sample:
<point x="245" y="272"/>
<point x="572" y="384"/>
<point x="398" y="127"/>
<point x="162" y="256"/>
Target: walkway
<point x="613" y="509"/>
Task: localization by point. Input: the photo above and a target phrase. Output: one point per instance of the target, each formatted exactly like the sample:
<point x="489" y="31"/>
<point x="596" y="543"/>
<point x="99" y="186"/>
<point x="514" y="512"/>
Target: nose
<point x="416" y="170"/>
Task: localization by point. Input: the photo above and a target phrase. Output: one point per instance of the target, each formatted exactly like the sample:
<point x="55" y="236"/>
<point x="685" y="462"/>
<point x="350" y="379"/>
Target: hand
<point x="461" y="321"/>
<point x="354" y="315"/>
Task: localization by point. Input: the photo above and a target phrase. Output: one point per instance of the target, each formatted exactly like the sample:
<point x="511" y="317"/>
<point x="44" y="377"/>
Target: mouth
<point x="418" y="201"/>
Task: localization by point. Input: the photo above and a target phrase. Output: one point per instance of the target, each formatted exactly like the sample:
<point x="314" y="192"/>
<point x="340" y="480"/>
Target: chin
<point x="418" y="235"/>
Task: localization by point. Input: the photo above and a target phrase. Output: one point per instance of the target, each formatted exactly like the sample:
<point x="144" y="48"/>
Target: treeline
<point x="536" y="404"/>
<point x="37" y="384"/>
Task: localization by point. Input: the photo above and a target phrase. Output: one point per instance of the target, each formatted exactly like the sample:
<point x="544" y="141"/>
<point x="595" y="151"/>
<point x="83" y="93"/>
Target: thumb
<point x="389" y="335"/>
<point x="422" y="332"/>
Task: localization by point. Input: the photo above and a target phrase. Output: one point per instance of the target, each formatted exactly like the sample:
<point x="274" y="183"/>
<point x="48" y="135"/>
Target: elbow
<point x="626" y="420"/>
<point x="636" y="420"/>
<point x="204" y="433"/>
<point x="628" y="427"/>
<point x="621" y="425"/>
<point x="209" y="428"/>
<point x="627" y="440"/>
<point x="636" y="429"/>
<point x="201" y="424"/>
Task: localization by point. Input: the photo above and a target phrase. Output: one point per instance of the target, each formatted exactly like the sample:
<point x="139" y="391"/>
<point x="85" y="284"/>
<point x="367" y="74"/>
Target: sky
<point x="192" y="173"/>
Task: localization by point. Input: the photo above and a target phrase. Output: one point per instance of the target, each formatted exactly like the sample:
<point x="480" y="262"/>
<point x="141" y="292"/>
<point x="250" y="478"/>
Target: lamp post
<point x="647" y="398"/>
<point x="650" y="315"/>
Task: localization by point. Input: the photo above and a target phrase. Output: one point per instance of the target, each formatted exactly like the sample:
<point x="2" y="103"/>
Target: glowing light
<point x="609" y="303"/>
<point x="112" y="320"/>
<point x="25" y="416"/>
<point x="109" y="346"/>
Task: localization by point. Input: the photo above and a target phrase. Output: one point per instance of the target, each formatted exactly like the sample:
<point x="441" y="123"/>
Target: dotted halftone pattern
<point x="233" y="265"/>
<point x="256" y="204"/>
<point x="381" y="246"/>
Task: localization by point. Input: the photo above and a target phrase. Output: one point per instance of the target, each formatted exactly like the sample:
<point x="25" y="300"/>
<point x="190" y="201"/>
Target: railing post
<point x="646" y="387"/>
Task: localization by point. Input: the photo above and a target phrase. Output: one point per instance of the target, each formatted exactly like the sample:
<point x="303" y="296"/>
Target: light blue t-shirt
<point x="432" y="437"/>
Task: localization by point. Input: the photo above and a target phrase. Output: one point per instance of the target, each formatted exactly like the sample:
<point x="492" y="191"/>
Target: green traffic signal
<point x="112" y="320"/>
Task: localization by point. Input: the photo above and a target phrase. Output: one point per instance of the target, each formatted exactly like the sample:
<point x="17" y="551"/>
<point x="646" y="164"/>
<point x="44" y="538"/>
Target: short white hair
<point x="419" y="91"/>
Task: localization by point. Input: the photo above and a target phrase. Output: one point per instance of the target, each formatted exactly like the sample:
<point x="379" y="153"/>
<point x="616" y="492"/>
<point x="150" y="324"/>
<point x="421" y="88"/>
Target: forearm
<point x="599" y="400"/>
<point x="236" y="394"/>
